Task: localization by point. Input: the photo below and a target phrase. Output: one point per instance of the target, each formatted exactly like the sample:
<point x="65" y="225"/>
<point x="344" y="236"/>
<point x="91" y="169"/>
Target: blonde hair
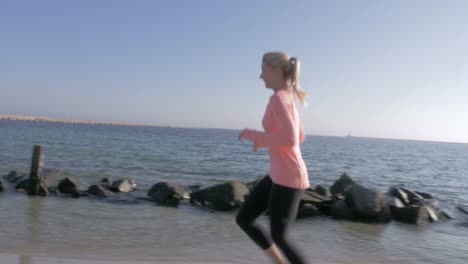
<point x="290" y="67"/>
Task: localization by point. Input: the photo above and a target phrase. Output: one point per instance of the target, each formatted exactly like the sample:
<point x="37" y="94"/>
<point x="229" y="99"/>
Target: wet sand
<point x="26" y="259"/>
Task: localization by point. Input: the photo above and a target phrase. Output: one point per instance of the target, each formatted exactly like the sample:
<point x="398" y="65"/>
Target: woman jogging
<point x="279" y="192"/>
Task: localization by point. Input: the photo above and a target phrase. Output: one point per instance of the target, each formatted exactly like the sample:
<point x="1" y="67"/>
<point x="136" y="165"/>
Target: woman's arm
<point x="301" y="134"/>
<point x="283" y="136"/>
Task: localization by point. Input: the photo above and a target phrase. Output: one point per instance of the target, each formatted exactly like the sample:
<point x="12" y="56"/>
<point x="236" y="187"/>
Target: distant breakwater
<point x="69" y="121"/>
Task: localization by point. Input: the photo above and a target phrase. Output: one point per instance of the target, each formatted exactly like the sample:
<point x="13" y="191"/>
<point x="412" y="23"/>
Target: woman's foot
<point x="275" y="255"/>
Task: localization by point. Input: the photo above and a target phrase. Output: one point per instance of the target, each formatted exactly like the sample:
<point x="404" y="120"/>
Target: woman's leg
<point x="284" y="203"/>
<point x="255" y="205"/>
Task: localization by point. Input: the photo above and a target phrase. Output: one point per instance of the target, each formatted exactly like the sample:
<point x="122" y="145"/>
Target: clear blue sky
<point x="392" y="69"/>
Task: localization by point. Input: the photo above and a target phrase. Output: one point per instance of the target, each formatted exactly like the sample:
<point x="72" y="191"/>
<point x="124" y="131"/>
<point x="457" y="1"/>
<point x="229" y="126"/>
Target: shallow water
<point x="141" y="231"/>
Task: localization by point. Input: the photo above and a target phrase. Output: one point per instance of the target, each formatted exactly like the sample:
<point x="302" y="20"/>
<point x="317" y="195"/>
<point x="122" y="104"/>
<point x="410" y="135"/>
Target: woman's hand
<point x="249" y="135"/>
<point x="245" y="134"/>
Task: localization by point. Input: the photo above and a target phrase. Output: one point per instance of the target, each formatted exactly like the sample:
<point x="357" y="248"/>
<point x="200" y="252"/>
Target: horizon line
<point x="26" y="118"/>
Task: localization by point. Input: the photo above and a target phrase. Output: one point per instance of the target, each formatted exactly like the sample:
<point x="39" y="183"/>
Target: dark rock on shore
<point x="400" y="194"/>
<point x="321" y="202"/>
<point x="106" y="182"/>
<point x="424" y="195"/>
<point x="463" y="209"/>
<point x="322" y="190"/>
<point x="124" y="185"/>
<point x="71" y="186"/>
<point x="345" y="199"/>
<point x="312" y="204"/>
<point x="307" y="210"/>
<point x="412" y="206"/>
<point x="168" y="194"/>
<point x="313" y="197"/>
<point x="340" y="210"/>
<point x="410" y="196"/>
<point x="413" y="197"/>
<point x="368" y="205"/>
<point x="224" y="196"/>
<point x="23" y="186"/>
<point x="53" y="190"/>
<point x="411" y="214"/>
<point x="99" y="191"/>
<point x="342" y="186"/>
<point x="15" y="176"/>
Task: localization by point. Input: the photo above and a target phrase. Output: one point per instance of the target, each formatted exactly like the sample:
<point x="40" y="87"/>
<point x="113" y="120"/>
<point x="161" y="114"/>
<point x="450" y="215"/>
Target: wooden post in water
<point x="35" y="178"/>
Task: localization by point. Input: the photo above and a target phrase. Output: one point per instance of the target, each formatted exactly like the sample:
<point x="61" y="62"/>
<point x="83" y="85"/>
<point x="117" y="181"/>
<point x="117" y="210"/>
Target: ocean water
<point x="136" y="230"/>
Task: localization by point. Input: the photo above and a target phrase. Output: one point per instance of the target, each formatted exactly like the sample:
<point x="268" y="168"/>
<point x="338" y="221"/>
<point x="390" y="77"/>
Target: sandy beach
<point x="26" y="259"/>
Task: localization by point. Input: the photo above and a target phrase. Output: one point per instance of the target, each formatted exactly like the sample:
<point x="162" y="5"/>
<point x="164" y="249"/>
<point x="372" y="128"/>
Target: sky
<point x="386" y="69"/>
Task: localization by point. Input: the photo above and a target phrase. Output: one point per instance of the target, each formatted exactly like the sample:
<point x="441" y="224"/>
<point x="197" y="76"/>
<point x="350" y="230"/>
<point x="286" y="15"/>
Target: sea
<point x="131" y="228"/>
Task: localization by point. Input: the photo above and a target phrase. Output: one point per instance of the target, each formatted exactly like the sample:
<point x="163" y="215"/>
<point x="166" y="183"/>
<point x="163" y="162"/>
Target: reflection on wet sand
<point x="24" y="259"/>
<point x="35" y="206"/>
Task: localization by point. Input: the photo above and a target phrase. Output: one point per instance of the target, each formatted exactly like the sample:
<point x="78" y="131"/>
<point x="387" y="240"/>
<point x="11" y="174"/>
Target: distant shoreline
<point x="71" y="121"/>
<point x="91" y="122"/>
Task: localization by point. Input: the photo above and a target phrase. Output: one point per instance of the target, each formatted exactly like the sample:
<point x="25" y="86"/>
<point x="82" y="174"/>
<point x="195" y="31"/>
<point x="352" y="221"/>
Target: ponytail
<point x="295" y="84"/>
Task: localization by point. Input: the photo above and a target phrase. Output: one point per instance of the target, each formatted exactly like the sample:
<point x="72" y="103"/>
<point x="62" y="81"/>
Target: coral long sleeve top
<point x="282" y="136"/>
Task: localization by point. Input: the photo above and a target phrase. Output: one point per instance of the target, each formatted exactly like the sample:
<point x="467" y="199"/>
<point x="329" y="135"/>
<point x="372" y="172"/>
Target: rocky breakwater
<point x="344" y="199"/>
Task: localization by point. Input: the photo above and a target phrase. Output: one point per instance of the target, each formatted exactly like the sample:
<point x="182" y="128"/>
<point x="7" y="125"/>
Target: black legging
<point x="282" y="203"/>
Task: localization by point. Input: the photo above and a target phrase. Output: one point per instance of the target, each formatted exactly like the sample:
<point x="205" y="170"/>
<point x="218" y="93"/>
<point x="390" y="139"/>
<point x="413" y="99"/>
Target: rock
<point x="413" y="197"/>
<point x="342" y="186"/>
<point x="340" y="210"/>
<point x="70" y="186"/>
<point x="393" y="201"/>
<point x="322" y="190"/>
<point x="401" y="195"/>
<point x="436" y="214"/>
<point x="224" y="196"/>
<point x="99" y="191"/>
<point x="424" y="195"/>
<point x="463" y="209"/>
<point x="251" y="185"/>
<point x="384" y="215"/>
<point x="307" y="210"/>
<point x="53" y="190"/>
<point x="411" y="214"/>
<point x="415" y="200"/>
<point x="312" y="197"/>
<point x="168" y="194"/>
<point x="368" y="205"/>
<point x="15" y="176"/>
<point x="106" y="182"/>
<point x="408" y="197"/>
<point x="324" y="204"/>
<point x="125" y="185"/>
<point x="23" y="186"/>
